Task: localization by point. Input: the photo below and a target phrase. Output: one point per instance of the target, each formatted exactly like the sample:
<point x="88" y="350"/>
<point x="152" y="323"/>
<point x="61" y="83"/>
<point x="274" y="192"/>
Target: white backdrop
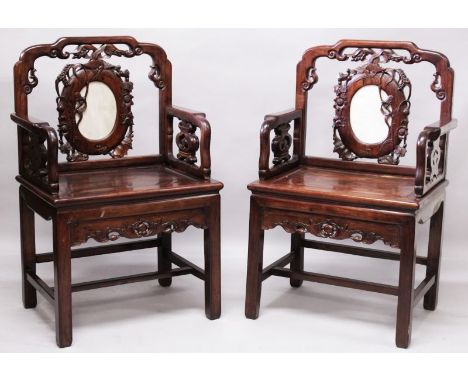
<point x="236" y="76"/>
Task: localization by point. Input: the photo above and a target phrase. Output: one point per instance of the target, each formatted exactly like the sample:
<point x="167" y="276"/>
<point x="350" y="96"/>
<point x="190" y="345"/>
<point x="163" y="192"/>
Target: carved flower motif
<point x="142" y="228"/>
<point x="328" y="229"/>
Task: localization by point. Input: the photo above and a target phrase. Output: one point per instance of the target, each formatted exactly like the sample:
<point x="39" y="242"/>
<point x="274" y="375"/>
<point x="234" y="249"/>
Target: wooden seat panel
<point x="342" y="185"/>
<point x="129" y="182"/>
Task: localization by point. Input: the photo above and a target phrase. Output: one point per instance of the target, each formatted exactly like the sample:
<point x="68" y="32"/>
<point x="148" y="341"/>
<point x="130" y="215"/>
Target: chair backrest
<point x="373" y="66"/>
<point x="94" y="97"/>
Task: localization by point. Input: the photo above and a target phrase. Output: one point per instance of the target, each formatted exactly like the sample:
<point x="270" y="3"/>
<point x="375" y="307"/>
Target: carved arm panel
<point x="431" y="156"/>
<point x="188" y="143"/>
<point x="281" y="143"/>
<point x="38" y="163"/>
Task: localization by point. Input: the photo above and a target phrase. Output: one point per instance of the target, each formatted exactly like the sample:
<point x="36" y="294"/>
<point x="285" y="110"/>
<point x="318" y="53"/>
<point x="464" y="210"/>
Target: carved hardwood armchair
<point x="350" y="199"/>
<point x="106" y="199"/>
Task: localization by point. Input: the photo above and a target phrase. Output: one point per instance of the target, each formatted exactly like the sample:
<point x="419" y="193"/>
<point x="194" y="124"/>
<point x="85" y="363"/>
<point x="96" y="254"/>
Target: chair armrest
<point x="188" y="142"/>
<point x="40" y="163"/>
<point x="281" y="143"/>
<point x="431" y="156"/>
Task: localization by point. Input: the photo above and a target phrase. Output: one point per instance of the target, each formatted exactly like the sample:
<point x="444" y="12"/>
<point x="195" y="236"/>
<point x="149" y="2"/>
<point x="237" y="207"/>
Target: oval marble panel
<point x="99" y="118"/>
<point x="367" y="121"/>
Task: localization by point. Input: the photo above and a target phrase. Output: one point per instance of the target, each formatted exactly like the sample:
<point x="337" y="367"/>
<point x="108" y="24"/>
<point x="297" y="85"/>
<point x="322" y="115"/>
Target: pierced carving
<point x="311" y="79"/>
<point x="155" y="76"/>
<point x="187" y="142"/>
<point x="92" y="52"/>
<point x="435" y="167"/>
<point x="31" y="82"/>
<point x="378" y="56"/>
<point x="327" y="228"/>
<point x="71" y="105"/>
<point x="35" y="161"/>
<point x="436" y="87"/>
<point x="106" y="50"/>
<point x="281" y="144"/>
<point x="395" y="92"/>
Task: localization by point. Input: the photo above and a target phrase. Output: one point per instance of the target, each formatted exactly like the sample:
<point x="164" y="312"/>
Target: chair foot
<point x="213" y="315"/>
<point x="30" y="303"/>
<point x="64" y="341"/>
<point x="403" y="343"/>
<point x="165" y="282"/>
<point x="251" y="315"/>
<point x="295" y="283"/>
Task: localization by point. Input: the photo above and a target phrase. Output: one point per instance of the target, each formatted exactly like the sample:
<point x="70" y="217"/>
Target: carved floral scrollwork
<point x="437" y="88"/>
<point x="379" y="56"/>
<point x="155" y="76"/>
<point x="187" y="142"/>
<point x="281" y="144"/>
<point x="31" y="82"/>
<point x="140" y="228"/>
<point x="434" y="156"/>
<point x="395" y="93"/>
<point x="71" y="105"/>
<point x="327" y="228"/>
<point x="92" y="52"/>
<point x="35" y="161"/>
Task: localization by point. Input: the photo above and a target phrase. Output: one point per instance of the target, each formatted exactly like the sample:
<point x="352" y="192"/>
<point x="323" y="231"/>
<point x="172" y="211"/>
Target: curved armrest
<point x="42" y="131"/>
<point x="280" y="145"/>
<point x="189" y="143"/>
<point x="431" y="156"/>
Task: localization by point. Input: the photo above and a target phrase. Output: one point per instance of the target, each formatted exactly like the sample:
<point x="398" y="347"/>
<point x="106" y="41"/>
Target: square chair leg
<point x="212" y="245"/>
<point x="28" y="253"/>
<point x="62" y="283"/>
<point x="406" y="285"/>
<point x="255" y="262"/>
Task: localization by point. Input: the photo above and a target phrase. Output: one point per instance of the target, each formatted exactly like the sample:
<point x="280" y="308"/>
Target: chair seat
<point x="337" y="185"/>
<point x="129" y="183"/>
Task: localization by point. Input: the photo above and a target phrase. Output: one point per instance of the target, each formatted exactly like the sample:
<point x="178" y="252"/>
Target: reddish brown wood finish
<point x="133" y="197"/>
<point x="347" y="199"/>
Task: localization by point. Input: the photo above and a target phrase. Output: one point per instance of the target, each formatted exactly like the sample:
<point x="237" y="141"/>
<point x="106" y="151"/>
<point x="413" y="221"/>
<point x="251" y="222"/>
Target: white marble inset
<point x="101" y="111"/>
<point x="367" y="121"/>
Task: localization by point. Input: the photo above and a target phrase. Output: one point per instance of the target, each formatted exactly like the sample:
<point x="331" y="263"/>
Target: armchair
<point x="119" y="197"/>
<point x="345" y="198"/>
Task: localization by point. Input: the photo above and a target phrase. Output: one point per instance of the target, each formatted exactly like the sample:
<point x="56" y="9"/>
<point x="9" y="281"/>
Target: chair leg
<point x="62" y="283"/>
<point x="255" y="262"/>
<point x="164" y="261"/>
<point x="297" y="263"/>
<point x="212" y="245"/>
<point x="406" y="286"/>
<point x="28" y="253"/>
<point x="433" y="257"/>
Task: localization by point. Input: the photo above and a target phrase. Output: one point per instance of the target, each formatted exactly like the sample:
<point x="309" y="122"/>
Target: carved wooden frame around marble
<point x="71" y="105"/>
<point x="395" y="93"/>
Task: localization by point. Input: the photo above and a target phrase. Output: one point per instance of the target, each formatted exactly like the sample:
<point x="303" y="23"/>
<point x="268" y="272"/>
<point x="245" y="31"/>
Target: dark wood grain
<point x="86" y="198"/>
<point x="345" y="198"/>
